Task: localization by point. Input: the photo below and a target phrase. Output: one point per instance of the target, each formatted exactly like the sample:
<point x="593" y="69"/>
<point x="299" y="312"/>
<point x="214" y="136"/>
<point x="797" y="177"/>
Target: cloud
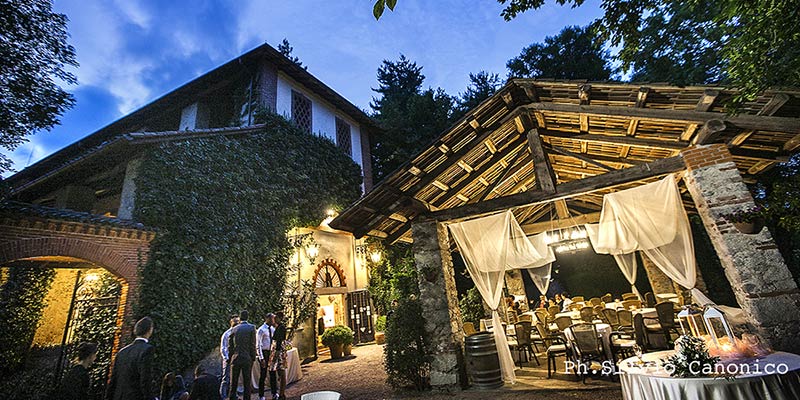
<point x="134" y="12"/>
<point x="26" y="154"/>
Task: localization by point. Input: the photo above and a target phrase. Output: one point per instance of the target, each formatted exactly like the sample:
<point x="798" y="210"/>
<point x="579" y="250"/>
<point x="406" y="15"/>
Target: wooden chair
<point x="599" y="313"/>
<point x="575" y="306"/>
<point x="636" y="304"/>
<point x="554" y="345"/>
<point x="625" y="318"/>
<point x="578" y="299"/>
<point x="469" y="329"/>
<point x="587" y="344"/>
<point x="595" y="301"/>
<point x="607" y="298"/>
<point x="542" y="316"/>
<point x="525" y="318"/>
<point x="629" y="296"/>
<point x="522" y="342"/>
<point x="621" y="345"/>
<point x="587" y="314"/>
<point x="611" y="318"/>
<point x="553" y="310"/>
<point x="650" y="299"/>
<point x="563" y="322"/>
<point x="641" y="334"/>
<point x="666" y="319"/>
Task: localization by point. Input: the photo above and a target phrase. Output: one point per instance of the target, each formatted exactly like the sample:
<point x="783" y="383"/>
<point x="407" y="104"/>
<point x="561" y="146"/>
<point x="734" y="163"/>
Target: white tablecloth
<point x="293" y="371"/>
<point x="604" y="331"/>
<point x="656" y="384"/>
<point x="576" y="315"/>
<point x="667" y="296"/>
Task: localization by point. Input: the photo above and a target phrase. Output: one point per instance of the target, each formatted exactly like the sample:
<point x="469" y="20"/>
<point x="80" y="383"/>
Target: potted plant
<point x="749" y="221"/>
<point x="336" y="338"/>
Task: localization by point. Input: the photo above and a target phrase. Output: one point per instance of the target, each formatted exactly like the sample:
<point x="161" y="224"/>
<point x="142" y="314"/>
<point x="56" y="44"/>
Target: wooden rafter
<point x="773" y="105"/>
<point x="539" y="227"/>
<point x="545" y="178"/>
<point x="561" y="208"/>
<point x="707" y="101"/>
<point x="581" y="157"/>
<point x="709" y="132"/>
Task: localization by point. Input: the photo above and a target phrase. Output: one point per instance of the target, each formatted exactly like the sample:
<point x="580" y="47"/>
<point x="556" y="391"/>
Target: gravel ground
<point x="362" y="377"/>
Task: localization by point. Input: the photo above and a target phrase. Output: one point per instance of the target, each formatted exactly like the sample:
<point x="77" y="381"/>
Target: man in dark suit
<point x="132" y="374"/>
<point x="241" y="354"/>
<point x="205" y="386"/>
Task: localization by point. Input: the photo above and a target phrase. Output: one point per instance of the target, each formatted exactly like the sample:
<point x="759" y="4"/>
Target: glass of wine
<point x="637" y="350"/>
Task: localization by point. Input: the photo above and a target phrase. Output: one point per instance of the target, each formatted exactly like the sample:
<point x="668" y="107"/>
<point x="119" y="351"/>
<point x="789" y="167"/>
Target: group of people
<point x="241" y="346"/>
<point x="562" y="300"/>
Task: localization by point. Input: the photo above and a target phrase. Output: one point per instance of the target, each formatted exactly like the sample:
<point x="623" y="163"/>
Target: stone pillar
<point x="762" y="283"/>
<point x="439" y="300"/>
<point x="659" y="282"/>
<point x="128" y="197"/>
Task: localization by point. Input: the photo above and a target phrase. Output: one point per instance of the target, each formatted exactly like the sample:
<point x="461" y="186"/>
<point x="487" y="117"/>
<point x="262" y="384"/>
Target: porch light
<point x="312" y="251"/>
<point x="375" y="256"/>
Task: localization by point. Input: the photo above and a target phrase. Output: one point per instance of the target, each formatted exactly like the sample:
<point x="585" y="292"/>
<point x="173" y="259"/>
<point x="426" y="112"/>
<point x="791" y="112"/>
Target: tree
<point x="481" y="86"/>
<point x="575" y="53"/>
<point x="34" y="56"/>
<point x="286" y="49"/>
<point x="410" y="117"/>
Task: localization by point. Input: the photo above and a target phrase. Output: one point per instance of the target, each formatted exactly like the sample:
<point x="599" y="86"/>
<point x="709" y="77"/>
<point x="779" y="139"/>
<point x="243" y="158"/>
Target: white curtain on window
<point x="490" y="246"/>
<point x="626" y="262"/>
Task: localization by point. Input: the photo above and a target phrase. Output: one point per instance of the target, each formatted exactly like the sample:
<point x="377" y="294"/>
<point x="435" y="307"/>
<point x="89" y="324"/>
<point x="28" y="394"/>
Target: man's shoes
<point x="261" y="398"/>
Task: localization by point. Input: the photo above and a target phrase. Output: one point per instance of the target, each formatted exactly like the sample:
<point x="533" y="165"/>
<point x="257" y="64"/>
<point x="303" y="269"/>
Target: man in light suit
<point x="241" y="354"/>
<point x="226" y="367"/>
<point x="132" y="375"/>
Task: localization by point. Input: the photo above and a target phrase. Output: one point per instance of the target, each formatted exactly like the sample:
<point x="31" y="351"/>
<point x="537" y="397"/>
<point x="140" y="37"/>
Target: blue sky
<point x="133" y="51"/>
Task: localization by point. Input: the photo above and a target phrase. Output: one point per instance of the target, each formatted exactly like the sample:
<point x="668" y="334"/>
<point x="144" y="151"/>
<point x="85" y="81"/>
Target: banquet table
<point x="604" y="331"/>
<point x="614" y="305"/>
<point x="667" y="297"/>
<point x="654" y="383"/>
<point x="293" y="371"/>
<point x="576" y="315"/>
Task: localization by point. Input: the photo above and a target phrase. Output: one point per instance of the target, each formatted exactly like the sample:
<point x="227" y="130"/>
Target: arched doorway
<point x="331" y="287"/>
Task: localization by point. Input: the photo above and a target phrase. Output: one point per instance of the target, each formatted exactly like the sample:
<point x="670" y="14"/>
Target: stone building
<point x="73" y="210"/>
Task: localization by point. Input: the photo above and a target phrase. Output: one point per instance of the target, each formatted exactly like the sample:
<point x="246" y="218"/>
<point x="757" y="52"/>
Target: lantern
<point x="312" y="251"/>
<point x="375" y="256"/>
<point x="691" y="320"/>
<point x="718" y="328"/>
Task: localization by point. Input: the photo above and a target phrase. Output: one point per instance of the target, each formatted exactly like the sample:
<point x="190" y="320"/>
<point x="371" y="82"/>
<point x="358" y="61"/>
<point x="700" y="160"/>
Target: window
<point x="343" y="136"/>
<point x="301" y="111"/>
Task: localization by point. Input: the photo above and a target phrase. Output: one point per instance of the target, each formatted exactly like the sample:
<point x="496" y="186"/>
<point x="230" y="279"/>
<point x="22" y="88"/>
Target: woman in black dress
<point x="76" y="383"/>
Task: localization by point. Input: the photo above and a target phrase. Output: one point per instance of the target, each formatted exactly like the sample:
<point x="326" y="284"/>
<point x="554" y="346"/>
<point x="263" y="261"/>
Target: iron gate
<point x="359" y="306"/>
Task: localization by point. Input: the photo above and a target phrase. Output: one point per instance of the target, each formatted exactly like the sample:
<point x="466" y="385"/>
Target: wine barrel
<point x="483" y="364"/>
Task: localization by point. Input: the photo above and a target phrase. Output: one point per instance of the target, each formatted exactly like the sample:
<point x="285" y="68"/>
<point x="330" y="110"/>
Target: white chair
<point x="324" y="395"/>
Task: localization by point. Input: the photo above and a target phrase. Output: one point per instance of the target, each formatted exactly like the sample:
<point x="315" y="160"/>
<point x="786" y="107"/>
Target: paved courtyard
<point x="362" y="377"/>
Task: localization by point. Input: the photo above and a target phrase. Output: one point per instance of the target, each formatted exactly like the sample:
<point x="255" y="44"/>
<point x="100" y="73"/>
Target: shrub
<point x="407" y="359"/>
<point x="222" y="207"/>
<point x="380" y="324"/>
<point x="339" y="334"/>
<point x="471" y="305"/>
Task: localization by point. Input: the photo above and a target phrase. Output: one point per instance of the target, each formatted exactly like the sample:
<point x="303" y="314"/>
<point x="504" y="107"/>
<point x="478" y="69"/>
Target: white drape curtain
<point x="626" y="262"/>
<point x="490" y="246"/>
<point x="540" y="275"/>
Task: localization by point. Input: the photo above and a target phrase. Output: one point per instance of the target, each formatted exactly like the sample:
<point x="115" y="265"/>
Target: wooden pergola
<point x="550" y="151"/>
<point x="568" y="143"/>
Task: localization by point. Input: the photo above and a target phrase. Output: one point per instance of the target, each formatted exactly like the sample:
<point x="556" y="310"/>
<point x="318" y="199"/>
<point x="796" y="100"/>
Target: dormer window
<point x="301" y="111"/>
<point x="343" y="140"/>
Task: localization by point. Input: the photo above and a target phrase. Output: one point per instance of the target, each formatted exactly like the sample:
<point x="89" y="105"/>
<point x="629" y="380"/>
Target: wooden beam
<point x="632" y="127"/>
<point x="774" y="104"/>
<point x="705" y="102"/>
<point x="561" y="208"/>
<point x="792" y="144"/>
<point x="743" y="121"/>
<point x="502" y="179"/>
<point x="709" y="132"/>
<point x="545" y="178"/>
<point x="539" y="227"/>
<point x="585" y="93"/>
<point x="565" y="190"/>
<point x="641" y="96"/>
<point x="581" y="157"/>
<point x="617" y="139"/>
<point x="760" y="166"/>
<point x="687" y="134"/>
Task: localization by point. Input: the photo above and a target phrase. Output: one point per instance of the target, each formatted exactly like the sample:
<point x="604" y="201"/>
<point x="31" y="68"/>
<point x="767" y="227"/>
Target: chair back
<point x="542" y="315"/>
<point x="575" y="306"/>
<point x="542" y="330"/>
<point x="607" y="298"/>
<point x="553" y="310"/>
<point x="587" y="314"/>
<point x="563" y="322"/>
<point x="627" y="304"/>
<point x="599" y="313"/>
<point x="585" y="339"/>
<point x="666" y="314"/>
<point x="325" y="395"/>
<point x="486" y="324"/>
<point x="625" y="318"/>
<point x="523" y="330"/>
<point x="525" y="317"/>
<point x="469" y="329"/>
<point x="611" y="317"/>
<point x="578" y="299"/>
<point x="639" y="331"/>
<point x="595" y="301"/>
<point x="629" y="296"/>
<point x="650" y="299"/>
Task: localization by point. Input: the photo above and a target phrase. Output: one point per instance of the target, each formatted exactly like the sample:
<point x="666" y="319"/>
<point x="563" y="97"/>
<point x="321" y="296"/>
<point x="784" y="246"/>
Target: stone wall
<point x="762" y="283"/>
<point x="439" y="298"/>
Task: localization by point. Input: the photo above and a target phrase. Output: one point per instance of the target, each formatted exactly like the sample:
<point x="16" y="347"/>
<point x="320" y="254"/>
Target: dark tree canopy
<point x="410" y="117"/>
<point x="481" y="86"/>
<point x="34" y="56"/>
<point x="575" y="53"/>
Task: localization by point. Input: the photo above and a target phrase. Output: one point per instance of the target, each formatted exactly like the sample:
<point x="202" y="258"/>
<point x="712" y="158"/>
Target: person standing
<point x="320" y="320"/>
<point x="76" y="382"/>
<point x="242" y="354"/>
<point x="277" y="357"/>
<point x="205" y="386"/>
<point x="264" y="342"/>
<point x="223" y="349"/>
<point x="132" y="374"/>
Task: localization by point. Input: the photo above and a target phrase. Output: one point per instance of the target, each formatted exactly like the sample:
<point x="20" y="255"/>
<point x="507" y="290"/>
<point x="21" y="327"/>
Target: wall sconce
<point x="718" y="328"/>
<point x="312" y="251"/>
<point x="375" y="256"/>
<point x="691" y="320"/>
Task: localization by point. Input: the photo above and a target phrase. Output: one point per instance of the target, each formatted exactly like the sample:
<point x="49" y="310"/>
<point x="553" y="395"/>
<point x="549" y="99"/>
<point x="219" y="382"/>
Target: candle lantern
<point x="691" y="321"/>
<point x="718" y="327"/>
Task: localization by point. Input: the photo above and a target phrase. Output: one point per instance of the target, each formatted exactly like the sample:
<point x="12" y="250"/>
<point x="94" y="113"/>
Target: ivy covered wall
<point x="222" y="207"/>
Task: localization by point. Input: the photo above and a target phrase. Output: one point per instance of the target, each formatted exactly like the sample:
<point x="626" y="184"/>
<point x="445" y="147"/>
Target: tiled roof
<point x="15" y="208"/>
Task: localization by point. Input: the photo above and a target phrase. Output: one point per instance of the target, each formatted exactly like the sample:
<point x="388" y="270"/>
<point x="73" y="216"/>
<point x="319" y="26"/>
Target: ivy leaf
<point x="377" y="10"/>
<point x="391" y="4"/>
